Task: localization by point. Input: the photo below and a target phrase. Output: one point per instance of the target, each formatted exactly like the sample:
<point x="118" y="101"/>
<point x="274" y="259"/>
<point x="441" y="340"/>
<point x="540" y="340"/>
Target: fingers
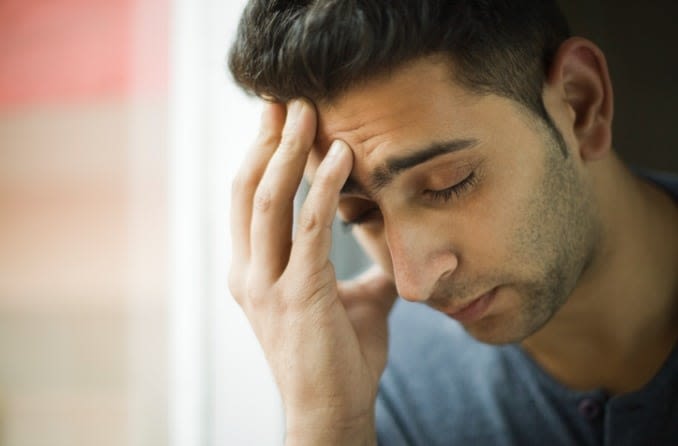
<point x="273" y="206"/>
<point x="247" y="180"/>
<point x="313" y="239"/>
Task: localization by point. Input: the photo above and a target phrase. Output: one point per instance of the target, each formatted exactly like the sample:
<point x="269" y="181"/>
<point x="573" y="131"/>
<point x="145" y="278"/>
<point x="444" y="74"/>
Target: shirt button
<point x="589" y="408"/>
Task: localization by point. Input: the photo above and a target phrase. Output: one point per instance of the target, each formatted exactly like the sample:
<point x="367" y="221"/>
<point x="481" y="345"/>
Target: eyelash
<point x="360" y="219"/>
<point x="457" y="190"/>
<point x="443" y="195"/>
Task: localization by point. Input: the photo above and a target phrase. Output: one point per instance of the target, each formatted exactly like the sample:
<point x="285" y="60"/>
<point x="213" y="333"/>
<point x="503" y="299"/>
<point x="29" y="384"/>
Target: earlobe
<point x="579" y="69"/>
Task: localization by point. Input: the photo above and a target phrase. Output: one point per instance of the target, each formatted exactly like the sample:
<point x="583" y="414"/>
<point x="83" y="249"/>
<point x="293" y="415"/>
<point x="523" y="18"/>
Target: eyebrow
<point x="383" y="175"/>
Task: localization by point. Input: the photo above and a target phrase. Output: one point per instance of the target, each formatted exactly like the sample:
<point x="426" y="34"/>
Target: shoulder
<point x="665" y="180"/>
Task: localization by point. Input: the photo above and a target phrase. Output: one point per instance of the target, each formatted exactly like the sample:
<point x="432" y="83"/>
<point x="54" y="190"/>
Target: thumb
<point x="368" y="299"/>
<point x="373" y="286"/>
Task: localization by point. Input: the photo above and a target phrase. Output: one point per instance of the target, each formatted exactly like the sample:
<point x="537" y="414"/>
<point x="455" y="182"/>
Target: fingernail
<point x="294" y="110"/>
<point x="335" y="150"/>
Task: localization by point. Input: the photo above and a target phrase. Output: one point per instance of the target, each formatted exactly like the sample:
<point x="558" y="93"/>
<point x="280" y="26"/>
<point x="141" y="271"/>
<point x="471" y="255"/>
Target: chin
<point x="497" y="330"/>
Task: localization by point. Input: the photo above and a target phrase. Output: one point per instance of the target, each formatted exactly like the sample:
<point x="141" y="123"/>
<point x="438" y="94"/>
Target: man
<point x="469" y="145"/>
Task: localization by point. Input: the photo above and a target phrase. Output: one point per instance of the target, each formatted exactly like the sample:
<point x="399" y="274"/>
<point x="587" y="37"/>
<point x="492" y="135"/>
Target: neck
<point x="621" y="322"/>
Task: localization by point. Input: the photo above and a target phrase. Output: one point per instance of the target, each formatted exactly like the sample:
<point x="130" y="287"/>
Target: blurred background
<point x="119" y="133"/>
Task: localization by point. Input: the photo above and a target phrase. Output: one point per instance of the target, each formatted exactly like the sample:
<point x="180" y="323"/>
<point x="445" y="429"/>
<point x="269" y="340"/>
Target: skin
<point x="510" y="229"/>
<point x="563" y="241"/>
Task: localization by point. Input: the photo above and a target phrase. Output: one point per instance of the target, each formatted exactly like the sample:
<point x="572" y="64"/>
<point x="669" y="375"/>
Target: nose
<point x="419" y="259"/>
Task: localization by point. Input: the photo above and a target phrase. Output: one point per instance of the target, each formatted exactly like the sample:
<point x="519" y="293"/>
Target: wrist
<point x="331" y="432"/>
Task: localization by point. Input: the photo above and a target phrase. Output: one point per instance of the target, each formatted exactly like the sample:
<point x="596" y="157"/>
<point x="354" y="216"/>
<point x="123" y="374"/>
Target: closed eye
<point x="455" y="191"/>
<point x="367" y="216"/>
<point x="372" y="213"/>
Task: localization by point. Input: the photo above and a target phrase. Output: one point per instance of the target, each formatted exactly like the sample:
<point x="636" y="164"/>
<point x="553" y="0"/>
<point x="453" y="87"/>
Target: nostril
<point x="445" y="276"/>
<point x="415" y="284"/>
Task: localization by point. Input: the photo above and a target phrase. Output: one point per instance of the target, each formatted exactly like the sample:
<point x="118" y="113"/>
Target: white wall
<point x="222" y="390"/>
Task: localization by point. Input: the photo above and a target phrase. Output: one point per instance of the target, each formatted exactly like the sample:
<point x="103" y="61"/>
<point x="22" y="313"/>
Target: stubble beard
<point x="557" y="241"/>
<point x="562" y="242"/>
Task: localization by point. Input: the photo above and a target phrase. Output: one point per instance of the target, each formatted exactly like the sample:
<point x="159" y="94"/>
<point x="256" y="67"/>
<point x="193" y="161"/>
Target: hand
<point x="326" y="342"/>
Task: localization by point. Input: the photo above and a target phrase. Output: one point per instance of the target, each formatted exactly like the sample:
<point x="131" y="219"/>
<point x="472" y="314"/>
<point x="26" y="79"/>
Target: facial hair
<point x="554" y="241"/>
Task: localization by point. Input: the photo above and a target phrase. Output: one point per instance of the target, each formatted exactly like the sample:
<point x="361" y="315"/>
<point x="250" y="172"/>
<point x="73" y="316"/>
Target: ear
<point x="580" y="76"/>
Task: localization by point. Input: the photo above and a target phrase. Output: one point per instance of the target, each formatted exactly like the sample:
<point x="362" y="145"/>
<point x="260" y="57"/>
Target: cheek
<point x="491" y="225"/>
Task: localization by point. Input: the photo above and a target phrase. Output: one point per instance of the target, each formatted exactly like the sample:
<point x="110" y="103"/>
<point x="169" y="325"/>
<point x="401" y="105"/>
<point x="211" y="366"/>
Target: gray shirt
<point x="442" y="387"/>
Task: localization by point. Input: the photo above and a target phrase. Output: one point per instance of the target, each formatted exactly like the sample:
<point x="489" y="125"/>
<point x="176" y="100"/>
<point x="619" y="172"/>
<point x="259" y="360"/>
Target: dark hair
<point x="319" y="48"/>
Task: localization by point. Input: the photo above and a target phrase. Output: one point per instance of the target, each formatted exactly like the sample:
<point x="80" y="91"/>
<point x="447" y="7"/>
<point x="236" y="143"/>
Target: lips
<point x="473" y="310"/>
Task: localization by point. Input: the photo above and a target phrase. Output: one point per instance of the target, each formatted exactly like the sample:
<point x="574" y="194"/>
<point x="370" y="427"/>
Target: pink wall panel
<point x="83" y="230"/>
<point x="68" y="51"/>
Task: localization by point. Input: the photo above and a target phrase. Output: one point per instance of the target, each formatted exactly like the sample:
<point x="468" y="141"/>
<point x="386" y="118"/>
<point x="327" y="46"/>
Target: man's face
<point x="459" y="196"/>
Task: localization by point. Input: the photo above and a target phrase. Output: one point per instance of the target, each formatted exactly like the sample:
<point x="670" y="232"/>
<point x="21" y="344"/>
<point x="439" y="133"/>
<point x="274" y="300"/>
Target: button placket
<point x="590" y="408"/>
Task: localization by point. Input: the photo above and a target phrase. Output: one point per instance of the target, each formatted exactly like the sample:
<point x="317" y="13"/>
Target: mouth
<point x="474" y="310"/>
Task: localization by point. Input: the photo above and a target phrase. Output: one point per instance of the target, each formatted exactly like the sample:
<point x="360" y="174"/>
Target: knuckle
<point x="263" y="199"/>
<point x="255" y="294"/>
<point x="243" y="181"/>
<point x="235" y="286"/>
<point x="312" y="216"/>
<point x="293" y="143"/>
<point x="289" y="133"/>
<point x="288" y="149"/>
<point x="308" y="221"/>
<point x="267" y="137"/>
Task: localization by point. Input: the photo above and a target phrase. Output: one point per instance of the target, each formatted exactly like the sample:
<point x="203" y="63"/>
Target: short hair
<point x="318" y="49"/>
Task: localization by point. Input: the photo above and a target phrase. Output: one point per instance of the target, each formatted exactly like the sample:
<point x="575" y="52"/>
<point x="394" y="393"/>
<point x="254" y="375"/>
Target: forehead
<point x="414" y="104"/>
